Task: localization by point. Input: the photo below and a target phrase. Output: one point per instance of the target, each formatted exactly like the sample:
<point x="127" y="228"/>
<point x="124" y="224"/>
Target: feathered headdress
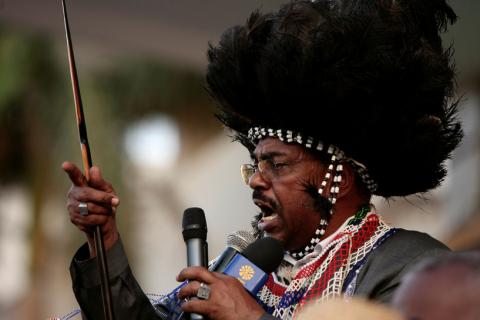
<point x="369" y="77"/>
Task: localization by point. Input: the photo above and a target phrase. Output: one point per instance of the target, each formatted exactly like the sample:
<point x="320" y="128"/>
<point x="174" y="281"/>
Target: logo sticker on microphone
<point x="246" y="272"/>
<point x="251" y="276"/>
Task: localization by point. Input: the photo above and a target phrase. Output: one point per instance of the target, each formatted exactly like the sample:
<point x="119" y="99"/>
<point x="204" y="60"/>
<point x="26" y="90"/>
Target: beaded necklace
<point x="359" y="216"/>
<point x="329" y="273"/>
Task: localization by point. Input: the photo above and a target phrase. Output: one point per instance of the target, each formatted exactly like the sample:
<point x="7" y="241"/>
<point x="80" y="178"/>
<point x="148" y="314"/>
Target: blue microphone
<point x="254" y="264"/>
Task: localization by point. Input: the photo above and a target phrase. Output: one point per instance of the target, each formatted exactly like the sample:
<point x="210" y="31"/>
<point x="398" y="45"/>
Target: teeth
<point x="270" y="217"/>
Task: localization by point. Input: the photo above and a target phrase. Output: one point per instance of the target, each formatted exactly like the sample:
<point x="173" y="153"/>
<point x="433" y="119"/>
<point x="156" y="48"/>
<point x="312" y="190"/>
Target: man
<point x="336" y="101"/>
<point x="439" y="288"/>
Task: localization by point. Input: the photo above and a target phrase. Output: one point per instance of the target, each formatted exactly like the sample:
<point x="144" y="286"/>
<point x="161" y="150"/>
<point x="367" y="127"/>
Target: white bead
<point x="340" y="167"/>
<point x="324" y="183"/>
<point x="327" y="176"/>
<point x="320" y="146"/>
<point x="330" y="167"/>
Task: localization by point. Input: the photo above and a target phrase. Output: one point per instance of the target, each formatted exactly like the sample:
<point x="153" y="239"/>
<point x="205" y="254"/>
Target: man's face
<point x="287" y="210"/>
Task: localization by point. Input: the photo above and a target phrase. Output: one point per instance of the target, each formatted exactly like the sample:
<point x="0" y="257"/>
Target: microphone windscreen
<point x="194" y="224"/>
<point x="266" y="253"/>
<point x="240" y="240"/>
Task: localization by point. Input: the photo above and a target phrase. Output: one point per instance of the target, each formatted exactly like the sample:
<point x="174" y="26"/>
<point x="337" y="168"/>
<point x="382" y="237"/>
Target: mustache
<point x="258" y="195"/>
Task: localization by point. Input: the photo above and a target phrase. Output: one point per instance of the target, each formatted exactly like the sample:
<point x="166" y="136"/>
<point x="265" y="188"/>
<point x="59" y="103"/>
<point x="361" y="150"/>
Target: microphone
<point x="253" y="265"/>
<point x="257" y="253"/>
<point x="194" y="234"/>
<point x="236" y="243"/>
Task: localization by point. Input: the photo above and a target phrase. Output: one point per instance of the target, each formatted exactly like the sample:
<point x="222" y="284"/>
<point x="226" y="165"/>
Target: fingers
<point x="87" y="194"/>
<point x="189" y="290"/>
<point x="93" y="208"/>
<point x="74" y="173"/>
<point x="86" y="223"/>
<point x="96" y="180"/>
<point x="196" y="273"/>
<point x="77" y="177"/>
<point x="197" y="306"/>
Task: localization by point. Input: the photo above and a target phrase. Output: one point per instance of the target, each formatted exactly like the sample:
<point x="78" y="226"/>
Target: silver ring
<point x="203" y="291"/>
<point x="83" y="209"/>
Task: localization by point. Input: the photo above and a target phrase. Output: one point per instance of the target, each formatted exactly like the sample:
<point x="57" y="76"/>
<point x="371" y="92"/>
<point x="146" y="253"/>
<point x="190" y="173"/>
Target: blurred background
<point x="141" y="66"/>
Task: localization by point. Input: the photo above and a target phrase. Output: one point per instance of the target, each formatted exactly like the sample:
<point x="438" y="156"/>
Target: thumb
<point x="97" y="182"/>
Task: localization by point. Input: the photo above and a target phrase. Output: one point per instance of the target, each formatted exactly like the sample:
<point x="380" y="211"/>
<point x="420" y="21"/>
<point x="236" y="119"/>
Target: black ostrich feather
<point x="371" y="77"/>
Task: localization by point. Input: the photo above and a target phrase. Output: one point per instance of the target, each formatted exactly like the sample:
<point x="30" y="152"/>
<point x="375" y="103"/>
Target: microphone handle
<point x="205" y="255"/>
<point x="196" y="256"/>
<point x="196" y="252"/>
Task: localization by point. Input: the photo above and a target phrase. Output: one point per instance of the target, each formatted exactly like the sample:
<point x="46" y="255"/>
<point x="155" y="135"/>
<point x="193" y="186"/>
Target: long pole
<point x="87" y="164"/>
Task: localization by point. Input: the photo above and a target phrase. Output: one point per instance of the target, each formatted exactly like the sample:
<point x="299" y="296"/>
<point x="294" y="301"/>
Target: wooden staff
<point x="87" y="164"/>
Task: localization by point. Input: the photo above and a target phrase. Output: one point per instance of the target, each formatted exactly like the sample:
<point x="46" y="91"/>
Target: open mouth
<point x="267" y="212"/>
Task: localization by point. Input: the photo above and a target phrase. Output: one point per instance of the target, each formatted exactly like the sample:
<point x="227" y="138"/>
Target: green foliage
<point x="29" y="108"/>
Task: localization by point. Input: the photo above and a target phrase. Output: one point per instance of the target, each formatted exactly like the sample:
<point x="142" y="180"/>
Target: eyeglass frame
<point x="266" y="167"/>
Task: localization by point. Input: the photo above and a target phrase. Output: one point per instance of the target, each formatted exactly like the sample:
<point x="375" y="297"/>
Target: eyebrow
<point x="268" y="155"/>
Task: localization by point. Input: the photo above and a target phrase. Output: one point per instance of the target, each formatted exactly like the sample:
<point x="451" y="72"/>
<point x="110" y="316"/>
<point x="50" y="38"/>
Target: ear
<point x="348" y="180"/>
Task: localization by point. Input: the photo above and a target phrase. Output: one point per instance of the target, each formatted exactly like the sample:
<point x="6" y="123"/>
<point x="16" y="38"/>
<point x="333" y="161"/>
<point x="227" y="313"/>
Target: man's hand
<point x="228" y="298"/>
<point x="101" y="201"/>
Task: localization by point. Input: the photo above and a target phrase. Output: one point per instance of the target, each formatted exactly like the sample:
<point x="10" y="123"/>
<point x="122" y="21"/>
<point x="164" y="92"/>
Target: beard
<point x="257" y="233"/>
<point x="318" y="202"/>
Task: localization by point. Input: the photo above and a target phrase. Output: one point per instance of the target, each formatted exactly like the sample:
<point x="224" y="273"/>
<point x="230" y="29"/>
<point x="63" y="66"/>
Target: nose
<point x="257" y="181"/>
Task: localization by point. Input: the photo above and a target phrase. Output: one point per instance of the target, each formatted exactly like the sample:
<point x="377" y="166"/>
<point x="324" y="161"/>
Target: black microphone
<point x="194" y="234"/>
<point x="253" y="265"/>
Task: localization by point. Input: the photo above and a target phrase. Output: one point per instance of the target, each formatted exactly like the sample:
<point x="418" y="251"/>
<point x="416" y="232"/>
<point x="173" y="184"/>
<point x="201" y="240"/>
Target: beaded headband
<point x="257" y="133"/>
<point x="334" y="170"/>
